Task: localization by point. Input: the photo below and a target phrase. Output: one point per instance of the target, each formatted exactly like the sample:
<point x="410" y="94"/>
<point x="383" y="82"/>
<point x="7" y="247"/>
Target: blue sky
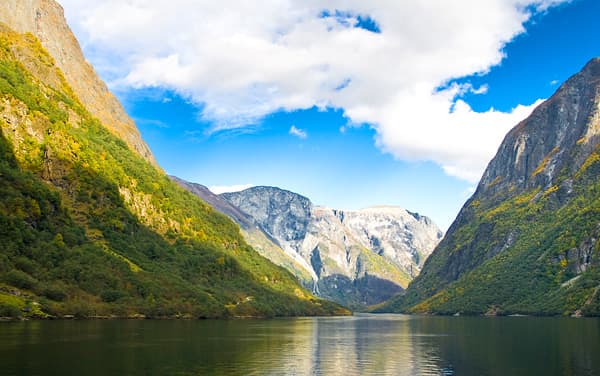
<point x="336" y="102"/>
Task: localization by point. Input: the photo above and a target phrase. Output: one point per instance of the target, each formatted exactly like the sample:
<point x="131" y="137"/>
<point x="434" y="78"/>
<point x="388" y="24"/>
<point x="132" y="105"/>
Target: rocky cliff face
<point x="45" y="19"/>
<point x="558" y="137"/>
<point x="356" y="258"/>
<point x="260" y="240"/>
<point x="404" y="238"/>
<point x="281" y="214"/>
<point x="528" y="239"/>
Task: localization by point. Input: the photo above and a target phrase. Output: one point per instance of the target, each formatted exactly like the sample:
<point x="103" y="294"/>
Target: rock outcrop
<point x="45" y="19"/>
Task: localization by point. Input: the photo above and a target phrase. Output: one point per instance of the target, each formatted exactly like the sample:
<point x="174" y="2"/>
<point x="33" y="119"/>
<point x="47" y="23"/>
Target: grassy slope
<point x="89" y="228"/>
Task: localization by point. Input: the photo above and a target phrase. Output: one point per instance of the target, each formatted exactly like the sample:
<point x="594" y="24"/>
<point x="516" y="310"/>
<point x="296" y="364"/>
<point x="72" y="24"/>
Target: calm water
<point x="359" y="345"/>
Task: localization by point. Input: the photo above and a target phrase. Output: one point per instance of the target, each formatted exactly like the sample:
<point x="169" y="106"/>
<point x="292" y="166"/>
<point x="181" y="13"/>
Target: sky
<point x="350" y="103"/>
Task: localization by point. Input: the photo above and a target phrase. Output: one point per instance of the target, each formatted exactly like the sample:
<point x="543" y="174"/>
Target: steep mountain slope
<point x="528" y="241"/>
<point x="45" y="20"/>
<point x="252" y="233"/>
<point x="404" y="238"/>
<point x="356" y="258"/>
<point x="217" y="202"/>
<point x="88" y="227"/>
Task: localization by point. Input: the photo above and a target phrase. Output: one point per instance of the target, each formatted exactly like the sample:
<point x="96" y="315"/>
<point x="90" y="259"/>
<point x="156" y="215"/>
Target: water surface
<point x="359" y="345"/>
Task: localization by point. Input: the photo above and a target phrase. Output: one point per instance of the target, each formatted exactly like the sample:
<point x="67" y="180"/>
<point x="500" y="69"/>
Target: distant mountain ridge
<point x="353" y="257"/>
<point x="528" y="240"/>
<point x="217" y="202"/>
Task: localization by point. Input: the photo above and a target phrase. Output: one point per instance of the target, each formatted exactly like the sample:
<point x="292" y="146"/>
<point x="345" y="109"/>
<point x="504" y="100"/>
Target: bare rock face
<point x="355" y="257"/>
<point x="527" y="242"/>
<point x="404" y="238"/>
<point x="45" y="19"/>
<point x="561" y="133"/>
<point x="284" y="215"/>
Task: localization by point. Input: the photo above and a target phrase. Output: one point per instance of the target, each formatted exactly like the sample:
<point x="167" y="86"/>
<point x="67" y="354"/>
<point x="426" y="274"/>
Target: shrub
<point x="20" y="279"/>
<point x="9" y="310"/>
<point x="110" y="296"/>
<point x="54" y="292"/>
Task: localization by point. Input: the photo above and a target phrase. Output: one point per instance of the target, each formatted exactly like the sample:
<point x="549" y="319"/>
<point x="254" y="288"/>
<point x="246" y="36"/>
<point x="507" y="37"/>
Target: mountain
<point x="354" y="257"/>
<point x="528" y="240"/>
<point x="260" y="240"/>
<point x="45" y="20"/>
<point x="217" y="202"/>
<point x="90" y="227"/>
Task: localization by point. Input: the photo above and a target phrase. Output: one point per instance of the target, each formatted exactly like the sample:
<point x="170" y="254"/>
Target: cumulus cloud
<point x="297" y="132"/>
<point x="239" y="61"/>
<point x="218" y="189"/>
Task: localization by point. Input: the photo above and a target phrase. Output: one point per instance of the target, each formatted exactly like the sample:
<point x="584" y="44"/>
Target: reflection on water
<point x="359" y="345"/>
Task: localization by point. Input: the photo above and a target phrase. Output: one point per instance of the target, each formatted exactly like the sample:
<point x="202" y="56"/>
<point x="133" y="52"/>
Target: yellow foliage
<point x="526" y="198"/>
<point x="497" y="180"/>
<point x="492" y="213"/>
<point x="299" y="294"/>
<point x="593" y="158"/>
<point x="550" y="190"/>
<point x="543" y="164"/>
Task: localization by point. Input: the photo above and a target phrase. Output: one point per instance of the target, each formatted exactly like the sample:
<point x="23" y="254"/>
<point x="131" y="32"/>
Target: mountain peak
<point x="593" y="67"/>
<point x="528" y="239"/>
<point x="272" y="189"/>
<point x="553" y="141"/>
<point x="356" y="257"/>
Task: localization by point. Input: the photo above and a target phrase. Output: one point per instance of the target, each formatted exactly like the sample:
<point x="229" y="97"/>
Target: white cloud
<point x="297" y="132"/>
<point x="480" y="90"/>
<point x="240" y="61"/>
<point x="218" y="189"/>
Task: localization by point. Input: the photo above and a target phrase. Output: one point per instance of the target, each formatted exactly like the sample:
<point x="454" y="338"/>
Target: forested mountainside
<point x="89" y="227"/>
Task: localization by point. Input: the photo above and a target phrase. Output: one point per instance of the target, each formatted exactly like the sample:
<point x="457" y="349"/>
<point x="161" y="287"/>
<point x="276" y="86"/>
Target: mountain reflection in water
<point x="358" y="345"/>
